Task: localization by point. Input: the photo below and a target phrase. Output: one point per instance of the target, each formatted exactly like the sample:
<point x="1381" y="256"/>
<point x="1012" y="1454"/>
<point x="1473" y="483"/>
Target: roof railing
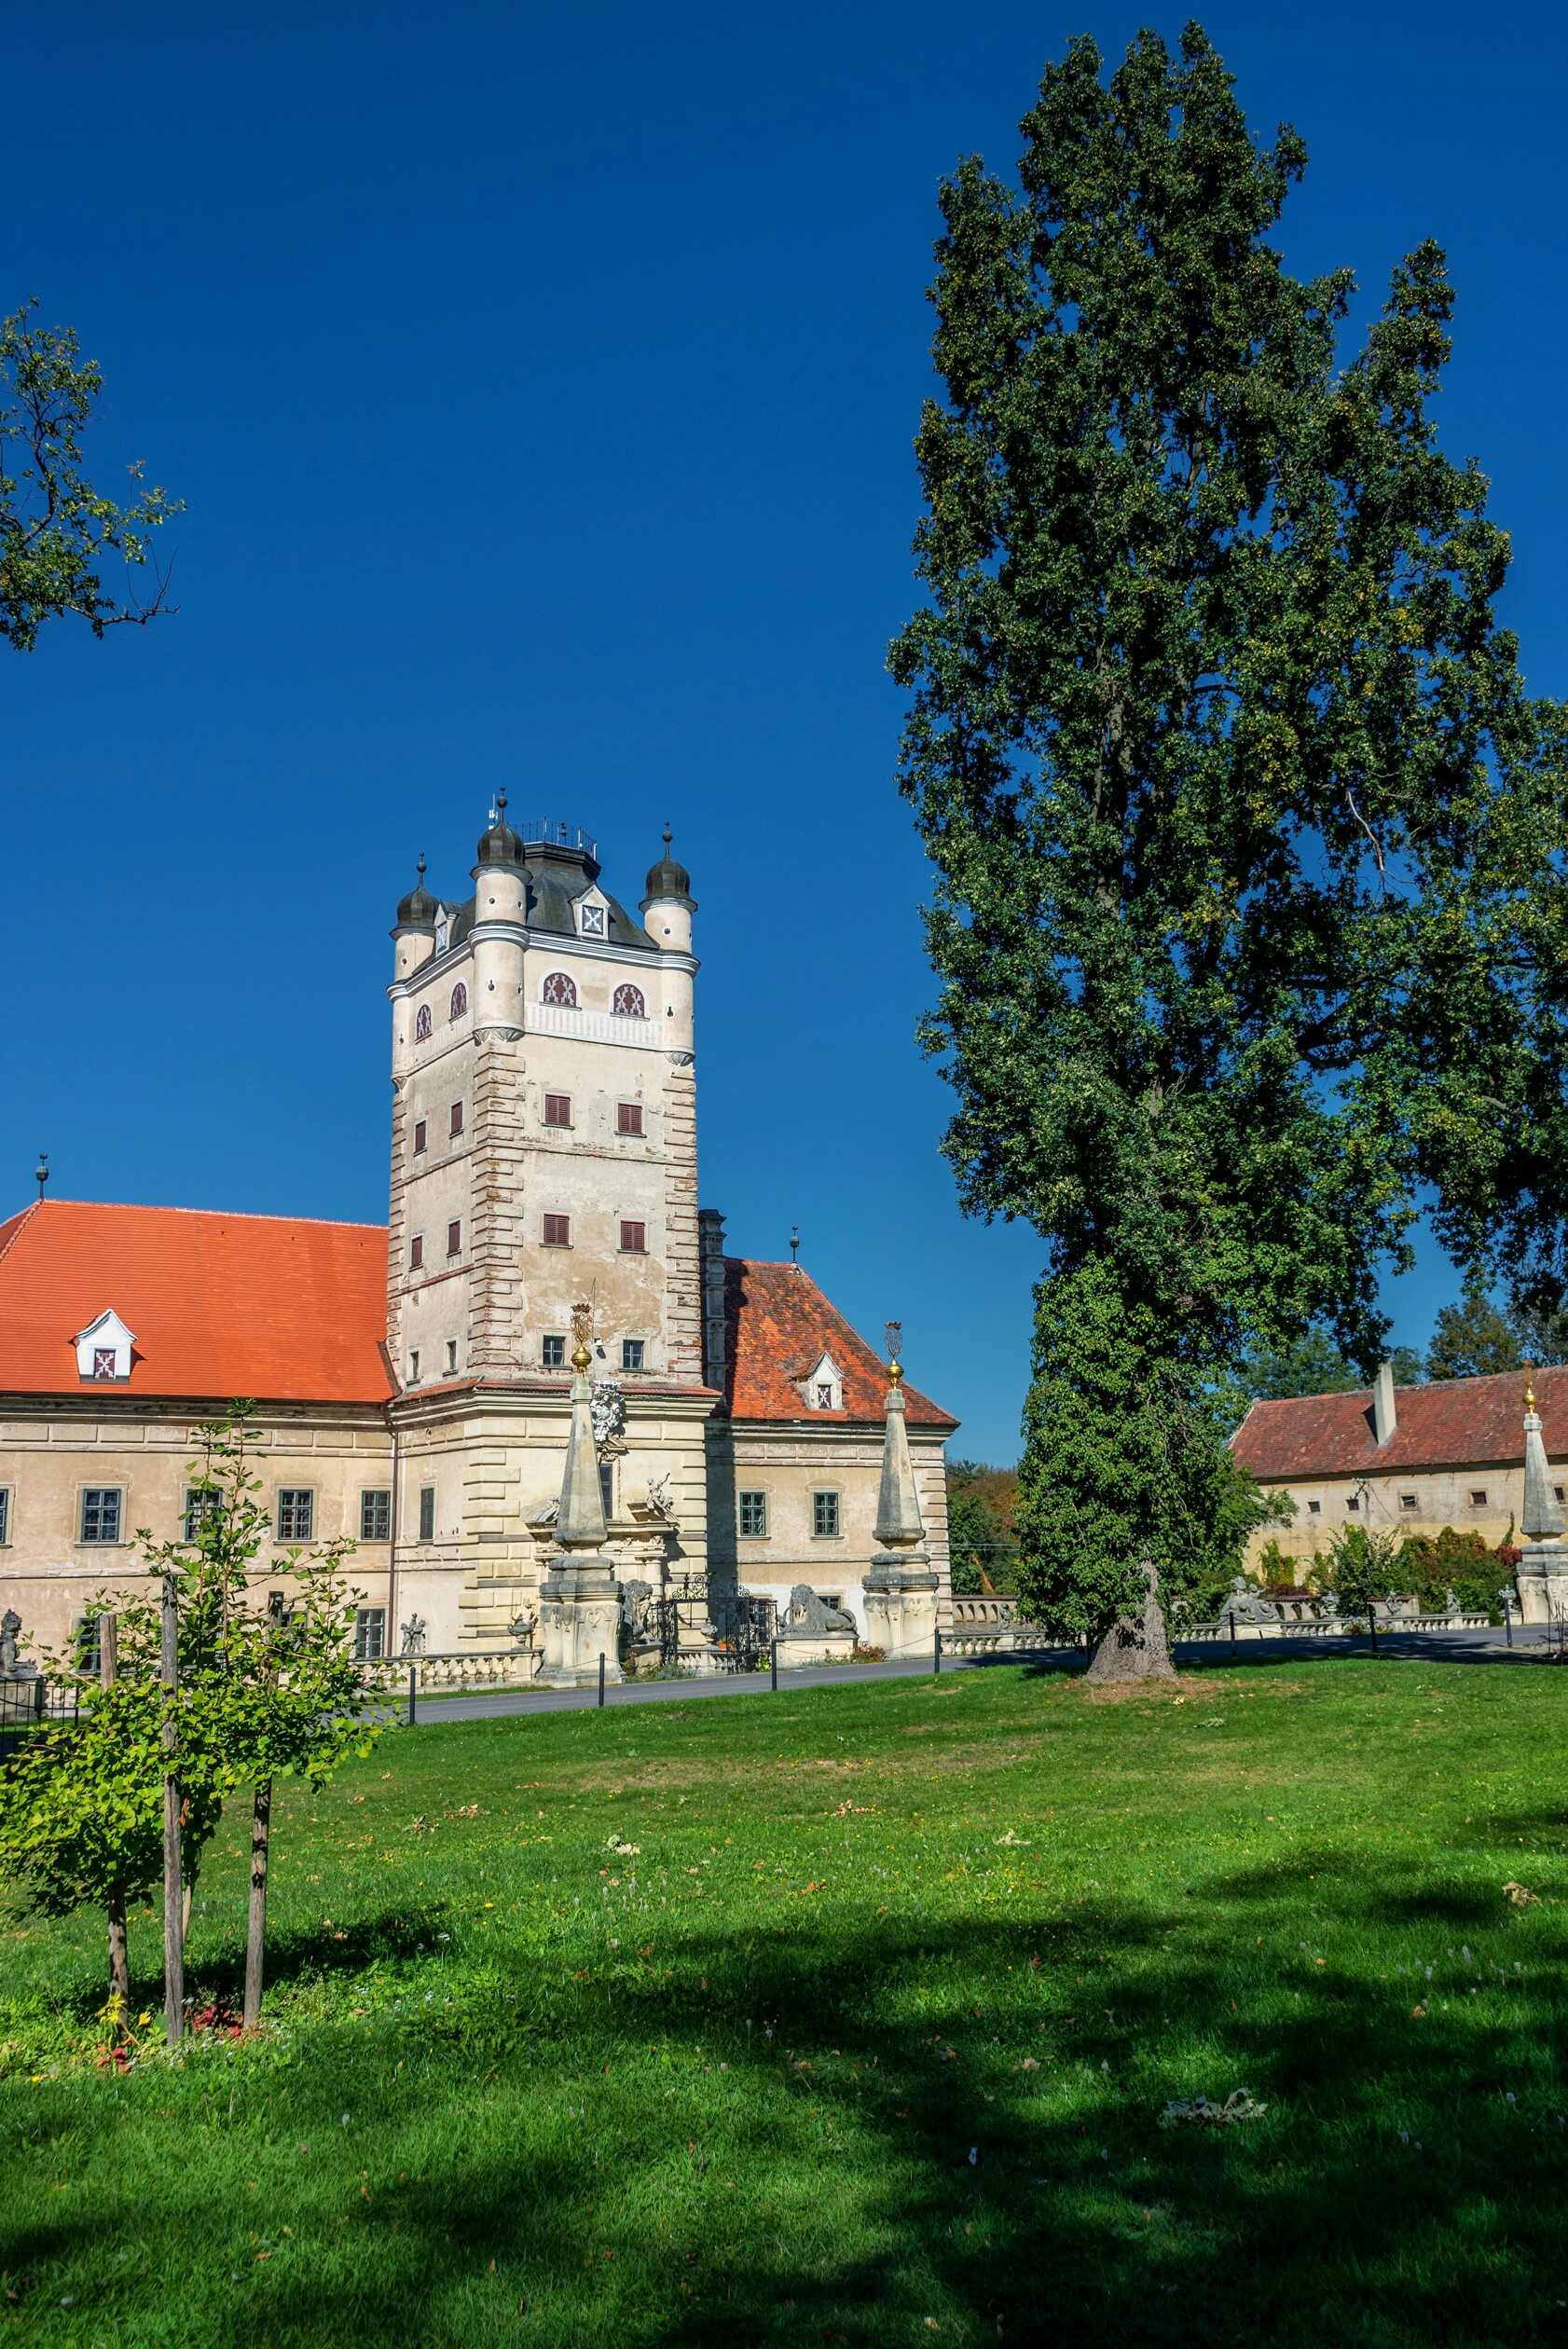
<point x="552" y="833"/>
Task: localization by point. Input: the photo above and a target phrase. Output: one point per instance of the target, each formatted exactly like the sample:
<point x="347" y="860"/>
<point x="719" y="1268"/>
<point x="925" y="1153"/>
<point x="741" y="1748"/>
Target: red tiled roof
<point x="778" y="1325"/>
<point x="1450" y="1423"/>
<point x="271" y="1307"/>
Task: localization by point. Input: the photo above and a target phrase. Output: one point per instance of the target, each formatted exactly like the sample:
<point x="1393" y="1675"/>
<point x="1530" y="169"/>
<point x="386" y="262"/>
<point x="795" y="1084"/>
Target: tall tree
<point x="1314" y="1365"/>
<point x="1247" y="919"/>
<point x="56" y="529"/>
<point x="1473" y="1338"/>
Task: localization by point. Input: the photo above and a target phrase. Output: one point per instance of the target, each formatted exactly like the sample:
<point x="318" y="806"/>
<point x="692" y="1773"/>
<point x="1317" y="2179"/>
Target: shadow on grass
<point x="1392" y="2193"/>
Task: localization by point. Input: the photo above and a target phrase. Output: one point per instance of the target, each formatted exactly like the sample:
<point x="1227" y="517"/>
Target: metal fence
<point x="31" y="1701"/>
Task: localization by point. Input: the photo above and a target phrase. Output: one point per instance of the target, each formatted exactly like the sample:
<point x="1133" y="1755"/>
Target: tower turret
<point x="413" y="934"/>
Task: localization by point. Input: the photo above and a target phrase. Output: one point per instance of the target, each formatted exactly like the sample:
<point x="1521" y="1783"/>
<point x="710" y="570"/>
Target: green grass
<point x="868" y="2042"/>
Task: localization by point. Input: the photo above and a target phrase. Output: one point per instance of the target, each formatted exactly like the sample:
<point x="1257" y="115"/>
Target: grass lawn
<point x="849" y="2015"/>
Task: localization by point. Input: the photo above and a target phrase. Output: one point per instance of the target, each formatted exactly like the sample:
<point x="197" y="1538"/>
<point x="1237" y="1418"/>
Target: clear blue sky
<point x="541" y="385"/>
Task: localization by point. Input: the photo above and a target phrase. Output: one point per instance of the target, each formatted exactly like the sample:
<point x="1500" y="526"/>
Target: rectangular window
<point x="592" y="920"/>
<point x="753" y="1513"/>
<point x="1353" y="1503"/>
<point x="631" y="1354"/>
<point x="87" y="1643"/>
<point x="824" y="1514"/>
<point x="628" y="1117"/>
<point x="101" y="1514"/>
<point x="5" y="1515"/>
<point x="1557" y="1489"/>
<point x="557" y="1109"/>
<point x="420" y="1136"/>
<point x="414" y="1367"/>
<point x="297" y="1514"/>
<point x="415" y="1251"/>
<point x="202" y="1502"/>
<point x="558" y="1231"/>
<point x="552" y="1354"/>
<point x="370" y="1635"/>
<point x="375" y="1517"/>
<point x="1407" y="1500"/>
<point x="451" y="1355"/>
<point x="1478" y="1498"/>
<point x="103" y="1361"/>
<point x="455" y="1127"/>
<point x="427" y="1513"/>
<point x="454" y="1237"/>
<point x="1315" y="1508"/>
<point x="824" y="1396"/>
<point x="634" y="1239"/>
<point x="607" y="1486"/>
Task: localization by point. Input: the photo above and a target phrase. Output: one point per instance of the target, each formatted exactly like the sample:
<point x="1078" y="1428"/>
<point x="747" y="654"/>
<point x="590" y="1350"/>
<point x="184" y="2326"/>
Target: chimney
<point x="711" y="1247"/>
<point x="1386" y="1418"/>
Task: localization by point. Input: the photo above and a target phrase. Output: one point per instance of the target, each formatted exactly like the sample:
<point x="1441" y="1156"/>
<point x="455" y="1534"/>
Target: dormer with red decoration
<point x="104" y="1348"/>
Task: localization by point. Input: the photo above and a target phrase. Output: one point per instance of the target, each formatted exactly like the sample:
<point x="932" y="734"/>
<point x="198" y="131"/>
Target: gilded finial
<point x="1530" y="1386"/>
<point x="894" y="1334"/>
<point x="582" y="1329"/>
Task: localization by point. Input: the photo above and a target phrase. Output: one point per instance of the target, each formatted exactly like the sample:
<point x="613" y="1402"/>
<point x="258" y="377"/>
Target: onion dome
<point x="668" y="880"/>
<point x="418" y="910"/>
<point x="500" y="844"/>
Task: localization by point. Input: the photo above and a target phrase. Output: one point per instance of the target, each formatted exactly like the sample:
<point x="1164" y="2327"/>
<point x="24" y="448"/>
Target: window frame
<point x="633" y="1247"/>
<point x="753" y="1503"/>
<point x="190" y="1521"/>
<point x="413" y="1366"/>
<point x="565" y="996"/>
<point x="1477" y="1496"/>
<point x="423" y="1024"/>
<point x="1410" y="1501"/>
<point x="621" y="1009"/>
<point x="415" y="1252"/>
<point x="561" y="1239"/>
<point x="6" y="1511"/>
<point x="549" y="1359"/>
<point x="293" y="1495"/>
<point x="627" y="1347"/>
<point x="632" y="1110"/>
<point x="99" y="1539"/>
<point x="820" y="1532"/>
<point x="427" y="1513"/>
<point x="421" y="1137"/>
<point x="560" y="1100"/>
<point x="457" y="1007"/>
<point x="454" y="1122"/>
<point x="371" y="1515"/>
<point x="592" y="921"/>
<point x="370" y="1635"/>
<point x="607" y="1489"/>
<point x="451" y="1365"/>
<point x="454" y="1237"/>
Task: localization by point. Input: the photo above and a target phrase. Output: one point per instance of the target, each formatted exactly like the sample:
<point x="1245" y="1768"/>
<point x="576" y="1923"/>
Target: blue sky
<point x="541" y="385"/>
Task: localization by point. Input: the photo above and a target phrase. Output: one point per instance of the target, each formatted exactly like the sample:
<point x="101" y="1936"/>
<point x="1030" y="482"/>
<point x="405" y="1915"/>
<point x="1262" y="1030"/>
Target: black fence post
<point x="1232" y="1635"/>
<point x="1372" y="1623"/>
<point x="1509" y="1622"/>
<point x="936" y="1664"/>
<point x="413" y="1675"/>
<point x="602" y="1676"/>
<point x="773" y="1663"/>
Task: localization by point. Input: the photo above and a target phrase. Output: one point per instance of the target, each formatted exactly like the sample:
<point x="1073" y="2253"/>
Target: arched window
<point x="559" y="988"/>
<point x="421" y="1024"/>
<point x="629" y="1004"/>
<point x="460" y="1002"/>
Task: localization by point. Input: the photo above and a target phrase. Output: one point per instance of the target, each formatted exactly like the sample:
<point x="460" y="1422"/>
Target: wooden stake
<point x="256" y="1922"/>
<point x="119" y="1955"/>
<point x="174" y="1918"/>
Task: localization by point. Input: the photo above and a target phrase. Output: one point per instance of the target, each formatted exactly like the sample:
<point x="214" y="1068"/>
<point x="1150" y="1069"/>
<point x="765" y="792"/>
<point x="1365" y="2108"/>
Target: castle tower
<point x="543" y="1150"/>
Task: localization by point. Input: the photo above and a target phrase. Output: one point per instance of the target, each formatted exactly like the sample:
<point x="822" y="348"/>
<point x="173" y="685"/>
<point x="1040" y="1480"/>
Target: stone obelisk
<point x="579" y="1598"/>
<point x="901" y="1583"/>
<point x="1543" y="1566"/>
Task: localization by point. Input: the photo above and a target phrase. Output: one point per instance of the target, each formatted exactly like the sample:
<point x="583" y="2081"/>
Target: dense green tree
<point x="1473" y="1338"/>
<point x="56" y="529"/>
<point x="980" y="1535"/>
<point x="1314" y="1365"/>
<point x="1247" y="919"/>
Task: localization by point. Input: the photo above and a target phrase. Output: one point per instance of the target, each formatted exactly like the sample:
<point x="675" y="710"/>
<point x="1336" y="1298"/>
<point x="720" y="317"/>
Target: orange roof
<point x="1448" y="1423"/>
<point x="269" y="1307"/>
<point x="778" y="1325"/>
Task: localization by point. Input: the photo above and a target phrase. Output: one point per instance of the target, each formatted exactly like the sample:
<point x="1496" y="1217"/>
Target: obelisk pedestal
<point x="901" y="1584"/>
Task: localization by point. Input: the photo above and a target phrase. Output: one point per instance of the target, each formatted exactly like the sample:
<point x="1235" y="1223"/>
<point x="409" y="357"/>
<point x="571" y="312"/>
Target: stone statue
<point x="1248" y="1604"/>
<point x="609" y="1409"/>
<point x="658" y="1495"/>
<point x="521" y="1628"/>
<point x="10" y="1624"/>
<point x="1452" y="1607"/>
<point x="808" y="1613"/>
<point x="637" y="1599"/>
<point x="414" y="1636"/>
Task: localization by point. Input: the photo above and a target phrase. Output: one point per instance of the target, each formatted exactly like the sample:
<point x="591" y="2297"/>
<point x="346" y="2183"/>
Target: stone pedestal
<point x="1542" y="1581"/>
<point x="579" y="1621"/>
<point x="901" y="1608"/>
<point x="815" y="1647"/>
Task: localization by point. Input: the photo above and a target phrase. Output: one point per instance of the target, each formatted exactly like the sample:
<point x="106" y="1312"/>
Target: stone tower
<point x="543" y="1150"/>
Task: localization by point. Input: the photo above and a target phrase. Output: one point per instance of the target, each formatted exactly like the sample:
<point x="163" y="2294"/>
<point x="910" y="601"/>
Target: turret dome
<point x="667" y="881"/>
<point x="500" y="844"/>
<point x="418" y="910"/>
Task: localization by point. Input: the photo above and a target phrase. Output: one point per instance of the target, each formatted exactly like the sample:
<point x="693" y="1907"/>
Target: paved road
<point x="1437" y="1647"/>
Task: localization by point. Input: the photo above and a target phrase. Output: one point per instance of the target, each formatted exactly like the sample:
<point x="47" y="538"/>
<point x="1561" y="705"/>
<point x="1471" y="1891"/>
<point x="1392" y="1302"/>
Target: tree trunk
<point x="1135" y="1648"/>
<point x="119" y="1960"/>
<point x="255" y="1923"/>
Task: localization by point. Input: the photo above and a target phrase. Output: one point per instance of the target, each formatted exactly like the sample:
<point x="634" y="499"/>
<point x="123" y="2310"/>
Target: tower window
<point x="415" y="1251"/>
<point x="427" y="1513"/>
<point x="414" y="1365"/>
<point x="459" y="1006"/>
<point x="590" y="920"/>
<point x="297" y="1514"/>
<point x="557" y="1109"/>
<point x="552" y="1354"/>
<point x="454" y="1237"/>
<point x="558" y="1231"/>
<point x="560" y="990"/>
<point x="628" y="1117"/>
<point x="101" y="1514"/>
<point x="824" y="1515"/>
<point x="451" y="1355"/>
<point x="634" y="1239"/>
<point x="419" y="1135"/>
<point x="455" y="1120"/>
<point x="753" y="1515"/>
<point x="422" y="1025"/>
<point x="631" y="1354"/>
<point x="628" y="1003"/>
<point x="375" y="1517"/>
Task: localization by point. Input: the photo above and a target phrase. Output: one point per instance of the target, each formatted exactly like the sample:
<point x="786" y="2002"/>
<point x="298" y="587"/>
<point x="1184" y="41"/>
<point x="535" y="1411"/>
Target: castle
<point x="413" y="1384"/>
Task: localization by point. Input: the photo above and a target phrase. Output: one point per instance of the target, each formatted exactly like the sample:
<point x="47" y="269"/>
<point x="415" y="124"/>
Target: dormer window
<point x="824" y="1386"/>
<point x="590" y="920"/>
<point x="104" y="1348"/>
<point x="560" y="990"/>
<point x="443" y="934"/>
